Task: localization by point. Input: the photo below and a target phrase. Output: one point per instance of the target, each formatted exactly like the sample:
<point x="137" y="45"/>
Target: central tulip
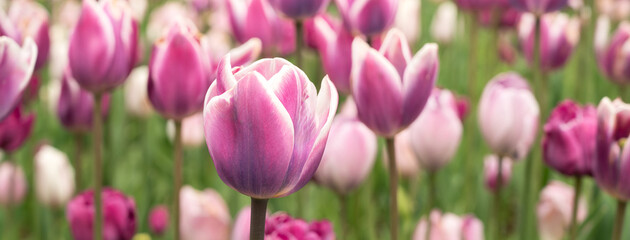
<point x="54" y="177"/>
<point x="17" y="64"/>
<point x="369" y="17"/>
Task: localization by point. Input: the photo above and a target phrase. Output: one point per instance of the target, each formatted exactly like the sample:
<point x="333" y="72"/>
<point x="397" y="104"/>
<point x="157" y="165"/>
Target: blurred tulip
<point x="618" y="10"/>
<point x="12" y="184"/>
<point x="103" y="46"/>
<point x="508" y="115"/>
<point x="349" y="155"/>
<point x="119" y="213"/>
<point x="369" y="17"/>
<point x="202" y="5"/>
<point x="164" y="16"/>
<point x="277" y="120"/>
<point x="7" y="27"/>
<point x="299" y="9"/>
<point x="444" y="24"/>
<point x="408" y="19"/>
<point x="491" y="171"/>
<point x="501" y="15"/>
<point x="31" y="19"/>
<point x="138" y="8"/>
<point x="569" y="140"/>
<point x="75" y="106"/>
<point x="59" y="43"/>
<point x="191" y="136"/>
<point x="505" y="48"/>
<point x="449" y="226"/>
<point x="334" y="44"/>
<point x="240" y="231"/>
<point x="257" y="19"/>
<point x="406" y="161"/>
<point x="559" y="37"/>
<point x="158" y="220"/>
<point x="204" y="215"/>
<point x="216" y="45"/>
<point x="17" y="65"/>
<point x="283" y="226"/>
<point x="15" y="129"/>
<point x="613" y="56"/>
<point x="178" y="72"/>
<point x="555" y="208"/>
<point x="436" y="133"/>
<point x="54" y="177"/>
<point x="539" y="7"/>
<point x="389" y="86"/>
<point x="462" y="105"/>
<point x="137" y="101"/>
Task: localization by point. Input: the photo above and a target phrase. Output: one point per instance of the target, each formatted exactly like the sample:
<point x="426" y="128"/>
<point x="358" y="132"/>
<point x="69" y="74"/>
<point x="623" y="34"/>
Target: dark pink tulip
<point x="612" y="56"/>
<point x="462" y="104"/>
<point x="282" y="226"/>
<point x="447" y="226"/>
<point x="257" y="19"/>
<point x="539" y="7"/>
<point x="313" y="33"/>
<point x="368" y="17"/>
<point x="31" y="19"/>
<point x="103" y="46"/>
<point x="569" y="140"/>
<point x="389" y="86"/>
<point x="119" y="213"/>
<point x="299" y="9"/>
<point x="266" y="127"/>
<point x="17" y="65"/>
<point x="15" y="129"/>
<point x="75" y="106"/>
<point x="334" y="44"/>
<point x="554" y="210"/>
<point x="204" y="215"/>
<point x="178" y="72"/>
<point x="158" y="220"/>
<point x="12" y="183"/>
<point x="491" y="172"/>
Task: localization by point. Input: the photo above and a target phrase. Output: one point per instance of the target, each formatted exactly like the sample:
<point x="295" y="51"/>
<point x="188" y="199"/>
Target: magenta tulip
<point x="282" y="226"/>
<point x="158" y="220"/>
<point x="299" y="9"/>
<point x="13" y="184"/>
<point x="555" y="208"/>
<point x="75" y="105"/>
<point x="119" y="215"/>
<point x="368" y="17"/>
<point x="449" y="226"/>
<point x="491" y="172"/>
<point x="204" y="215"/>
<point x="15" y="129"/>
<point x="612" y="56"/>
<point x="103" y="46"/>
<point x="17" y="65"/>
<point x="539" y="7"/>
<point x="31" y="19"/>
<point x="334" y="44"/>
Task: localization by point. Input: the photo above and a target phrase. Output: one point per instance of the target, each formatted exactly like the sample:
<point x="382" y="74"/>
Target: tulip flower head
<point x="54" y="177"/>
<point x="368" y="17"/>
<point x="555" y="208"/>
<point x="444" y="24"/>
<point x="12" y="184"/>
<point x="15" y="129"/>
<point x="137" y="101"/>
<point x="282" y="226"/>
<point x="449" y="226"/>
<point x="31" y="19"/>
<point x="119" y="215"/>
<point x="17" y="65"/>
<point x="158" y="220"/>
<point x="613" y="56"/>
<point x="204" y="215"/>
<point x="75" y="106"/>
<point x="334" y="44"/>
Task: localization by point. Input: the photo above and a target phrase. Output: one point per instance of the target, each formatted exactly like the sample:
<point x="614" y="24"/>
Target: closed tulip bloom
<point x="17" y="64"/>
<point x="555" y="208"/>
<point x="31" y="19"/>
<point x="448" y="226"/>
<point x="15" y="129"/>
<point x="178" y="72"/>
<point x="539" y="7"/>
<point x="204" y="215"/>
<point x="158" y="220"/>
<point x="508" y="115"/>
<point x="75" y="106"/>
<point x="444" y="24"/>
<point x="137" y="101"/>
<point x="119" y="215"/>
<point x="569" y="140"/>
<point x="12" y="184"/>
<point x="491" y="172"/>
<point x="559" y="37"/>
<point x="103" y="46"/>
<point x="368" y="17"/>
<point x="266" y="127"/>
<point x="436" y="133"/>
<point x="614" y="56"/>
<point x="334" y="44"/>
<point x="409" y="10"/>
<point x="191" y="136"/>
<point x="389" y="86"/>
<point x="299" y="9"/>
<point x="54" y="177"/>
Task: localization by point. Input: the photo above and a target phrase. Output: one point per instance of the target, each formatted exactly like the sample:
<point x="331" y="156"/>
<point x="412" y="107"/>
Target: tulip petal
<point x="16" y="65"/>
<point x="246" y="53"/>
<point x="396" y="49"/>
<point x="418" y="82"/>
<point x="225" y="78"/>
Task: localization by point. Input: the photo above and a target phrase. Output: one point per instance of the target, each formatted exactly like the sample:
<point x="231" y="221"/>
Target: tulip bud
<point x="444" y="24"/>
<point x="12" y="184"/>
<point x="75" y="107"/>
<point x="15" y="129"/>
<point x="202" y="5"/>
<point x="178" y="72"/>
<point x="450" y="226"/>
<point x="54" y="177"/>
<point x="369" y="17"/>
<point x="508" y="115"/>
<point x="203" y="214"/>
<point x="408" y="19"/>
<point x="31" y="19"/>
<point x="119" y="215"/>
<point x="614" y="57"/>
<point x="240" y="231"/>
<point x="491" y="172"/>
<point x="406" y="160"/>
<point x="137" y="101"/>
<point x="267" y="114"/>
<point x="103" y="45"/>
<point x="389" y="86"/>
<point x="555" y="209"/>
<point x="618" y="10"/>
<point x="164" y="16"/>
<point x="569" y="141"/>
<point x="334" y="44"/>
<point x="158" y="220"/>
<point x="191" y="136"/>
<point x="539" y="7"/>
<point x="17" y="66"/>
<point x="299" y="9"/>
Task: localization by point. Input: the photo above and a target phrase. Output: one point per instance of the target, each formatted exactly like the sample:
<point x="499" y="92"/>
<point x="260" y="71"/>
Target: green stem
<point x="343" y="202"/>
<point x="472" y="57"/>
<point x="497" y="200"/>
<point x="431" y="203"/>
<point x="257" y="222"/>
<point x="177" y="175"/>
<point x="78" y="142"/>
<point x="621" y="213"/>
<point x="299" y="42"/>
<point x="393" y="188"/>
<point x="98" y="169"/>
<point x="576" y="197"/>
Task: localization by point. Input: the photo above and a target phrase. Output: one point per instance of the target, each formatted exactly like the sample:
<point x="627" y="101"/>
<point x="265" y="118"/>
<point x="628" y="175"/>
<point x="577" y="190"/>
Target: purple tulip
<point x="103" y="46"/>
<point x="266" y="127"/>
<point x="178" y="72"/>
<point x="369" y="17"/>
<point x="508" y="115"/>
<point x="559" y="37"/>
<point x="554" y="210"/>
<point x="613" y="56"/>
<point x="204" y="215"/>
<point x="450" y="226"/>
<point x="334" y="44"/>
<point x="299" y="9"/>
<point x="17" y="65"/>
<point x="75" y="106"/>
<point x="12" y="183"/>
<point x="389" y="86"/>
<point x="119" y="213"/>
<point x="31" y="19"/>
<point x="491" y="172"/>
<point x="569" y="141"/>
<point x="158" y="220"/>
<point x="15" y="129"/>
<point x="539" y="7"/>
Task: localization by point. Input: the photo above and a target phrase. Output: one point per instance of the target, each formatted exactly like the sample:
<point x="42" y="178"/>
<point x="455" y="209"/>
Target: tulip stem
<point x="621" y="213"/>
<point x="497" y="200"/>
<point x="523" y="226"/>
<point x="431" y="203"/>
<point x="98" y="169"/>
<point x="343" y="202"/>
<point x="77" y="160"/>
<point x="393" y="189"/>
<point x="472" y="57"/>
<point x="177" y="175"/>
<point x="257" y="221"/>
<point x="299" y="42"/>
<point x="576" y="197"/>
<point x="9" y="217"/>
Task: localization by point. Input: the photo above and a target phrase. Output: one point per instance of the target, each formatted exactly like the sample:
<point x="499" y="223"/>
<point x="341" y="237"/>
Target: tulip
<point x="555" y="208"/>
<point x="216" y="45"/>
<point x="7" y="27"/>
<point x="491" y="172"/>
<point x="508" y="115"/>
<point x="449" y="226"/>
<point x="616" y="9"/>
<point x="299" y="9"/>
<point x="31" y="19"/>
<point x="158" y="220"/>
<point x="501" y="15"/>
<point x="75" y="105"/>
<point x="334" y="44"/>
<point x="137" y="101"/>
<point x="54" y="177"/>
<point x="17" y="67"/>
<point x="12" y="184"/>
<point x="164" y="16"/>
<point x="119" y="210"/>
<point x="283" y="226"/>
<point x="138" y="8"/>
<point x="444" y="24"/>
<point x="103" y="45"/>
<point x="204" y="215"/>
<point x="558" y="37"/>
<point x="15" y="129"/>
<point x="569" y="139"/>
<point x="368" y="17"/>
<point x="612" y="56"/>
<point x="191" y="136"/>
<point x="475" y="5"/>
<point x="409" y="10"/>
<point x="240" y="231"/>
<point x="539" y="7"/>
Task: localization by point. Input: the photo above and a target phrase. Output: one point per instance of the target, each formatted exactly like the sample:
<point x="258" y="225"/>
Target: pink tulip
<point x="54" y="177"/>
<point x="334" y="44"/>
<point x="555" y="209"/>
<point x="475" y="5"/>
<point x="569" y="141"/>
<point x="369" y="17"/>
<point x="282" y="226"/>
<point x="119" y="213"/>
<point x="449" y="226"/>
<point x="7" y="27"/>
<point x="409" y="10"/>
<point x="191" y="136"/>
<point x="216" y="45"/>
<point x="204" y="215"/>
<point x="299" y="9"/>
<point x="240" y="231"/>
<point x="266" y="127"/>
<point x="158" y="220"/>
<point x="164" y="16"/>
<point x="614" y="56"/>
<point x="17" y="65"/>
<point x="559" y="37"/>
<point x="103" y="46"/>
<point x="75" y="106"/>
<point x="444" y="23"/>
<point x="508" y="115"/>
<point x="491" y="172"/>
<point x="406" y="160"/>
<point x="31" y="19"/>
<point x="539" y="7"/>
<point x="15" y="129"/>
<point x="12" y="183"/>
<point x="137" y="101"/>
<point x="615" y="9"/>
